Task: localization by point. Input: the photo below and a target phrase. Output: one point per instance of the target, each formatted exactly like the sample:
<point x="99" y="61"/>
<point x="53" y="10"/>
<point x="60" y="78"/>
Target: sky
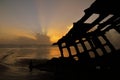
<point x="25" y="18"/>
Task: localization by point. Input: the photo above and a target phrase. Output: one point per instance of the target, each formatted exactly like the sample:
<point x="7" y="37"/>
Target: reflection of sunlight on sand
<point x="26" y="54"/>
<point x="19" y="70"/>
<point x="17" y="62"/>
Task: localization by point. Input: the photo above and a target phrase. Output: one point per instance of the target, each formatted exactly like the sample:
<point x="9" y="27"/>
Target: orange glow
<point x="15" y="32"/>
<point x="69" y="27"/>
<point x="54" y="38"/>
<point x="55" y="34"/>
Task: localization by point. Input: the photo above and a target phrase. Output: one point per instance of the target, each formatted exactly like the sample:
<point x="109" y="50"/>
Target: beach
<point x="14" y="62"/>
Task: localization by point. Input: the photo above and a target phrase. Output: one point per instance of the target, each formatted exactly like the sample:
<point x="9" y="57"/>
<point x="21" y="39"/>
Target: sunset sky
<point x="25" y="18"/>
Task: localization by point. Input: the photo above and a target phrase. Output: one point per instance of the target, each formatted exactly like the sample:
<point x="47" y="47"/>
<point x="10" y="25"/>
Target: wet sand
<point x="21" y="72"/>
<point x="14" y="63"/>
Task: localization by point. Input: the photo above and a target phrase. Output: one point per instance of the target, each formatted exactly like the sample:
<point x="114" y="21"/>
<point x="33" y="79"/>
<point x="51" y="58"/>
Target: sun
<point x="69" y="27"/>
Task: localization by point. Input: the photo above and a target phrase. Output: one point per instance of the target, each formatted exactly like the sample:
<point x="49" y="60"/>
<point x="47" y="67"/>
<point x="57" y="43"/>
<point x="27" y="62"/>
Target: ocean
<point x="14" y="62"/>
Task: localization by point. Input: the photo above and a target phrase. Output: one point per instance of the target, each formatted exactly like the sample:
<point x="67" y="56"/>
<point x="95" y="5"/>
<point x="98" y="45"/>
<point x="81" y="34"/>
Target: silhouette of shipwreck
<point x="81" y="31"/>
<point x="92" y="33"/>
<point x="96" y="56"/>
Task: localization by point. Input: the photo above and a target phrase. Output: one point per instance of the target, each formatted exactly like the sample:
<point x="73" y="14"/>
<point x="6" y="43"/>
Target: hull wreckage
<point x="100" y="59"/>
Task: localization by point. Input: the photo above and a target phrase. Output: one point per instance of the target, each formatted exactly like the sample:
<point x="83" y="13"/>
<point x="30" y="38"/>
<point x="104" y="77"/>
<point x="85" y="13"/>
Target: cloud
<point x="20" y="36"/>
